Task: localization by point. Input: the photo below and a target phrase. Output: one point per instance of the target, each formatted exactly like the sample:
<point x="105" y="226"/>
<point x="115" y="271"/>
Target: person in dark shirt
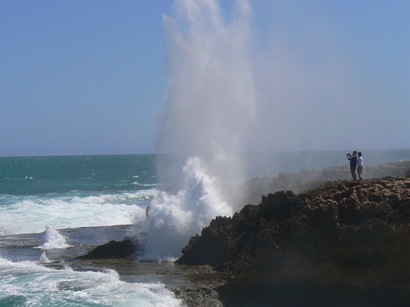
<point x="353" y="161"/>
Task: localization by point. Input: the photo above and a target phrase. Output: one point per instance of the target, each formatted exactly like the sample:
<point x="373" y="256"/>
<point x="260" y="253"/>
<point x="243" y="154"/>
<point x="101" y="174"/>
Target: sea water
<point x="53" y="209"/>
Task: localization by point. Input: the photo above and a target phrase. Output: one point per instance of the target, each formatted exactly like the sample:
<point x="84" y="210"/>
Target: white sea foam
<point x="147" y="185"/>
<point x="174" y="218"/>
<point x="44" y="258"/>
<point x="30" y="214"/>
<point x="31" y="284"/>
<point x="54" y="240"/>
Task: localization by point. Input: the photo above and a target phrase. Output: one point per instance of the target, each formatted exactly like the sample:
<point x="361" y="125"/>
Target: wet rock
<point x="199" y="296"/>
<point x="126" y="248"/>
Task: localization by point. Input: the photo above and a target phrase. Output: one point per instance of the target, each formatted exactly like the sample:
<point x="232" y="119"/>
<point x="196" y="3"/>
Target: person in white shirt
<point x="360" y="165"/>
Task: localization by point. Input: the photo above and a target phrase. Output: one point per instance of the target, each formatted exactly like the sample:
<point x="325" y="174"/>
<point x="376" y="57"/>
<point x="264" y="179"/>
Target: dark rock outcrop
<point x="344" y="243"/>
<point x="126" y="248"/>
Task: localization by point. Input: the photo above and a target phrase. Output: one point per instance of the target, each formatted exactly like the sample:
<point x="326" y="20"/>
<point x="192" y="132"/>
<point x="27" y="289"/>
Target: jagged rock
<point x="126" y="248"/>
<point x="344" y="243"/>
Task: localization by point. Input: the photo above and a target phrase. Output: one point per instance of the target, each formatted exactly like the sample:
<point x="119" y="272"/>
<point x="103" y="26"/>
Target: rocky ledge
<point x="344" y="243"/>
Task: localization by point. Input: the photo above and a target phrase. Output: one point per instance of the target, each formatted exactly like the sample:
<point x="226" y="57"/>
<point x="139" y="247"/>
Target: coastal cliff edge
<point x="344" y="242"/>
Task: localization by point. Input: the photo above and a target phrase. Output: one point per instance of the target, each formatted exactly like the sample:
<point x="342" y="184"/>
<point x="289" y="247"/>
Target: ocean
<point x="53" y="209"/>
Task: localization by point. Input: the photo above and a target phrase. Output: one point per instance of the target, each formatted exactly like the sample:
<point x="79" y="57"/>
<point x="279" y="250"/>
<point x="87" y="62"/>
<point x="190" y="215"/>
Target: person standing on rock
<point x="360" y="165"/>
<point x="353" y="162"/>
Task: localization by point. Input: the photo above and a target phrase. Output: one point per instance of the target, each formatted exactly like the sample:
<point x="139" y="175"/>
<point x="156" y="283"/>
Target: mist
<point x="235" y="96"/>
<point x="211" y="101"/>
<point x="232" y="92"/>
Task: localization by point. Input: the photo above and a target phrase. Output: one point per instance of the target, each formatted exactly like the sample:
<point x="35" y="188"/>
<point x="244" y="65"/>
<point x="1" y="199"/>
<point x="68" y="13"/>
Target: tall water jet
<point x="205" y="123"/>
<point x="211" y="96"/>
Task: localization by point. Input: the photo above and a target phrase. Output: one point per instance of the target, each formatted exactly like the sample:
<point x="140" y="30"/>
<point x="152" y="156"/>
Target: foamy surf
<point x="54" y="240"/>
<point x="44" y="258"/>
<point x="30" y="214"/>
<point x="174" y="218"/>
<point x="31" y="284"/>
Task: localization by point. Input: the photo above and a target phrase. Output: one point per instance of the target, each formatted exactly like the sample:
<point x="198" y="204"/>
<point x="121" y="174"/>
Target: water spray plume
<point x="205" y="123"/>
<point x="211" y="97"/>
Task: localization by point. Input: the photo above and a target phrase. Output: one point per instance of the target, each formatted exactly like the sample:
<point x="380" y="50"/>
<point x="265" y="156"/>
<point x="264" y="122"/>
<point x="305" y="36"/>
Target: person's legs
<point x="353" y="171"/>
<point x="359" y="172"/>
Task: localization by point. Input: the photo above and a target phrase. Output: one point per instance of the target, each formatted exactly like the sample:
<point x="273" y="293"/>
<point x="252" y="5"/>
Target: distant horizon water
<point x="244" y="152"/>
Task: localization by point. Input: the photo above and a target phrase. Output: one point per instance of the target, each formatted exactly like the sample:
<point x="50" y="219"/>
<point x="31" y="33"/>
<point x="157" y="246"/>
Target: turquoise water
<point x="53" y="209"/>
<point x="39" y="175"/>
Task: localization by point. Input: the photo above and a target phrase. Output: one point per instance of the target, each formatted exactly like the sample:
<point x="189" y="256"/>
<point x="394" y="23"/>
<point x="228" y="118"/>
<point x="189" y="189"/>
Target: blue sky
<point x="89" y="77"/>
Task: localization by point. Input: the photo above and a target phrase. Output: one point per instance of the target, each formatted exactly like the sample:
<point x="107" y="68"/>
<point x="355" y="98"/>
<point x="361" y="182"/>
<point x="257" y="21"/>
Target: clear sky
<point x="89" y="77"/>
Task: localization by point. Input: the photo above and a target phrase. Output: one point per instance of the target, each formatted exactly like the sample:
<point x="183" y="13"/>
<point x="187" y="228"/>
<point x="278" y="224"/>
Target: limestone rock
<point x="342" y="243"/>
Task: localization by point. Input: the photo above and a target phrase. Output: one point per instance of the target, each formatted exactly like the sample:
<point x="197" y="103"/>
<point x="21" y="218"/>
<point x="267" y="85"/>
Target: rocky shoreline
<point x="344" y="243"/>
<point x="336" y="243"/>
